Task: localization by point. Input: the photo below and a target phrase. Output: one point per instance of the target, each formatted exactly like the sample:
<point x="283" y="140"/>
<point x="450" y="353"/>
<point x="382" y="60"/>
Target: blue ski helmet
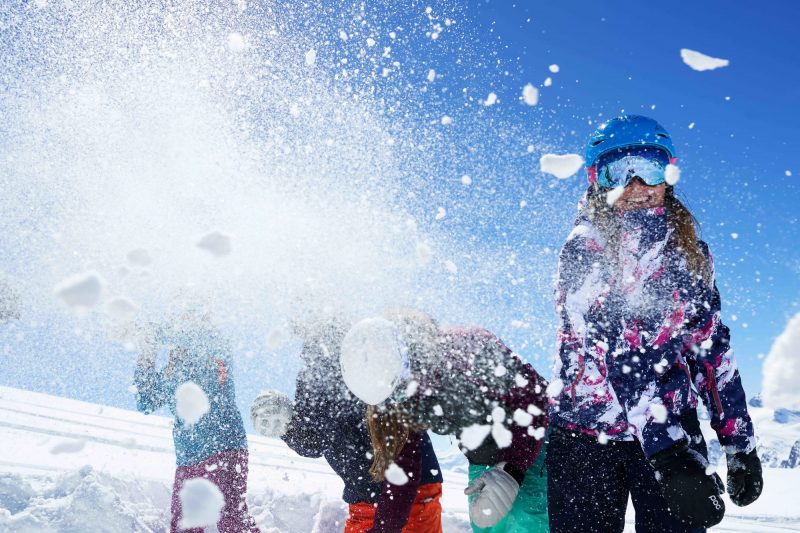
<point x="624" y="131"/>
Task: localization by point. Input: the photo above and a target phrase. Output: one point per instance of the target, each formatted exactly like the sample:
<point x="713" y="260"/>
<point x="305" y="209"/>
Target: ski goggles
<point x="618" y="167"/>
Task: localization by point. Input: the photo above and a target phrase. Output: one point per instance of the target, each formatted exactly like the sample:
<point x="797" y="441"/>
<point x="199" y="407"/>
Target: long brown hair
<point x="389" y="429"/>
<point x="683" y="224"/>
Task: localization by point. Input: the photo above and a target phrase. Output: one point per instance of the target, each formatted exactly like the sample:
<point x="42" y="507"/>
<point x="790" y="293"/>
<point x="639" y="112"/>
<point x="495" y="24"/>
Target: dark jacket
<point x="473" y="376"/>
<point x="330" y="422"/>
<point x="640" y="340"/>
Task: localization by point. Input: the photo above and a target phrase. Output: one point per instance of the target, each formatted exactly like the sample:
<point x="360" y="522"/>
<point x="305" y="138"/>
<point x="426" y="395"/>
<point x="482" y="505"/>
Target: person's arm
<point x="716" y="374"/>
<point x="306" y="434"/>
<point x="522" y="393"/>
<point x="149" y="382"/>
<point x="395" y="501"/>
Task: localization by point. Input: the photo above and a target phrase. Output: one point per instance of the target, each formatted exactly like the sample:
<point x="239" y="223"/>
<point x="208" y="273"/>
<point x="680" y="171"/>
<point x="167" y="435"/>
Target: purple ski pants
<point x="228" y="471"/>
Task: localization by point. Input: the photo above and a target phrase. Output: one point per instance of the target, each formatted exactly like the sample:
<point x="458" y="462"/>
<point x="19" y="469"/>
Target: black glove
<point x="692" y="496"/>
<point x="744" y="478"/>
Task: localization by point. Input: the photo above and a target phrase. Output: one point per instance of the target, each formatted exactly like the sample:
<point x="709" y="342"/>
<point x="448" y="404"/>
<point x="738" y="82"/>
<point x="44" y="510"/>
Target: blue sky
<point x="612" y="57"/>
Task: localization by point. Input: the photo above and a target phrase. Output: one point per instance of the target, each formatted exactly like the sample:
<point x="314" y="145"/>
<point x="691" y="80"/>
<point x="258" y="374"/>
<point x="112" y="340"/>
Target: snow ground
<point x="71" y="466"/>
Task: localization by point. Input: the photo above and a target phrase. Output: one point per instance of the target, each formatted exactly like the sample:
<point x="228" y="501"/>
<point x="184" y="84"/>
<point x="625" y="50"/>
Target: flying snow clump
<point x="216" y="243"/>
<point x="658" y="412"/>
<point x="82" y="291"/>
<point x="699" y="61"/>
<point x="191" y="403"/>
<point x="530" y="94"/>
<point x="371" y="359"/>
<point x="672" y="174"/>
<point x="201" y="503"/>
<point x="395" y="475"/>
<point x="473" y="436"/>
<point x="561" y="166"/>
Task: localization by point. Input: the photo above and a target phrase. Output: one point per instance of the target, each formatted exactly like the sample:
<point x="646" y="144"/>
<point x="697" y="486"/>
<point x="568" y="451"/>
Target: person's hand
<point x="745" y="481"/>
<point x="692" y="495"/>
<point x="495" y="491"/>
<point x="143" y="334"/>
<point x="271" y="413"/>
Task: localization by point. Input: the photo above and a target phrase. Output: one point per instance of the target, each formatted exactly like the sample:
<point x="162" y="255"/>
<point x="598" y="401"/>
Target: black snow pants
<point x="588" y="486"/>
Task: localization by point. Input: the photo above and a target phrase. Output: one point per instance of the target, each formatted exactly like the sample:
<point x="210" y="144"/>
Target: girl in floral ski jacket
<point x="641" y="339"/>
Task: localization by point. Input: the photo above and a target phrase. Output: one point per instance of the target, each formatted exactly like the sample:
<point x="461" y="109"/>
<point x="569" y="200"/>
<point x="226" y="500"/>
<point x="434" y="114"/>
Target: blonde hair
<point x="389" y="429"/>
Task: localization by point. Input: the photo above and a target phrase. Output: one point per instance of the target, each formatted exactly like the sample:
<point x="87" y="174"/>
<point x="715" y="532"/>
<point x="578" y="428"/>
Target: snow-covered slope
<point x="71" y="466"/>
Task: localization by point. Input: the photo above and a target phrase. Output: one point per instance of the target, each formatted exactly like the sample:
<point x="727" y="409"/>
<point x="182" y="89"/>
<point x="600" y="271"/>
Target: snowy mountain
<point x="778" y="432"/>
<point x="70" y="466"/>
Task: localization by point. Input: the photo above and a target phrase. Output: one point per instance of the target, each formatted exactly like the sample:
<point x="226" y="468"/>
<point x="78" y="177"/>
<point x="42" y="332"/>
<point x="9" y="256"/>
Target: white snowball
<point x="501" y="435"/>
<point x="473" y="436"/>
<point x="191" y="403"/>
<point x="554" y="388"/>
<point x="311" y="57"/>
<point x="451" y="267"/>
<point x="216" y="243"/>
<point x="431" y="75"/>
<point x="530" y="95"/>
<point x="395" y="475"/>
<point x="201" y="502"/>
<point x="80" y="292"/>
<point x="699" y="61"/>
<point x="554" y="68"/>
<point x="372" y="359"/>
<point x="446" y="120"/>
<point x="658" y="412"/>
<point x="441" y="213"/>
<point x="522" y="418"/>
<point x="672" y="174"/>
<point x="491" y="99"/>
<point x="561" y="166"/>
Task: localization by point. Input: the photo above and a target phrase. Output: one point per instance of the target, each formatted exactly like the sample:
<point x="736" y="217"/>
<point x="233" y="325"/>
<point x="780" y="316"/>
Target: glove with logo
<point x="495" y="492"/>
<point x="744" y="478"/>
<point x="692" y="495"/>
<point x="271" y="413"/>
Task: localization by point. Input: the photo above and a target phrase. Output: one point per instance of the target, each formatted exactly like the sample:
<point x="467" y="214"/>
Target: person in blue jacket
<point x="326" y="420"/>
<point x="198" y="378"/>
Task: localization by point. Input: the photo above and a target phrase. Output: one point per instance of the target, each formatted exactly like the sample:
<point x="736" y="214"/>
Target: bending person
<point x="453" y="381"/>
<point x="326" y="420"/>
